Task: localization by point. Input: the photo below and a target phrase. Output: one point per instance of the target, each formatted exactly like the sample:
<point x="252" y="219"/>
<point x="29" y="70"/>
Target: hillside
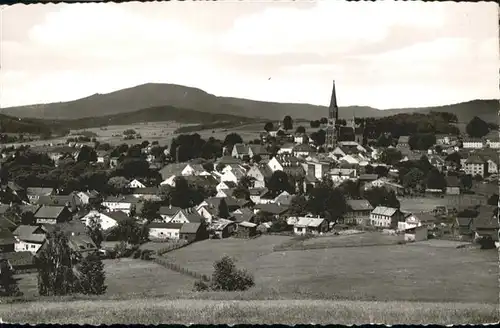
<point x="157" y="95"/>
<point x="154" y="114"/>
<point x="14" y="125"/>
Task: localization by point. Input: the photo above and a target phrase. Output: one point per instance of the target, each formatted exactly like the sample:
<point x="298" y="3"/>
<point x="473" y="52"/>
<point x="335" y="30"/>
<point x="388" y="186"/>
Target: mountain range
<point x="169" y="100"/>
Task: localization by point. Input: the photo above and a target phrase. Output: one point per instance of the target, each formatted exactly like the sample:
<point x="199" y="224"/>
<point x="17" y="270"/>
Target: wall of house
<point x="163" y="233"/>
<point x="23" y="246"/>
<point x="125" y="207"/>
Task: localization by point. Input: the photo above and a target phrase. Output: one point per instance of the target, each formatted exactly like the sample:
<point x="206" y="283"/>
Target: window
<point x="32" y="246"/>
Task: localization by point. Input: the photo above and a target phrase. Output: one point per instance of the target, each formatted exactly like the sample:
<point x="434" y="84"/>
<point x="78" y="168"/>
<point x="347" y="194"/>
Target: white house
<point x="286" y="149"/>
<point x="224" y="185"/>
<point x="86" y="196"/>
<point x="187" y="215"/>
<point x="417" y="220"/>
<point x="311" y="225"/>
<point x="303" y="150"/>
<point x="167" y="213"/>
<point x="170" y="181"/>
<point x="194" y="169"/>
<point x="259" y="175"/>
<point x="207" y="213"/>
<point x="121" y="203"/>
<point x="385" y="217"/>
<point x="339" y="174"/>
<point x="162" y="230"/>
<point x="492" y="166"/>
<point x="28" y="238"/>
<point x="233" y="175"/>
<point x="473" y="143"/>
<point x="136" y="184"/>
<point x="108" y="220"/>
<point x="493" y="144"/>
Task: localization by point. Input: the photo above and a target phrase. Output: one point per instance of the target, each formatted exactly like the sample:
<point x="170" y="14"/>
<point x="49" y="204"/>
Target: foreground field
<point x="427" y="204"/>
<point x="128" y="277"/>
<point x="158" y="311"/>
<point x="413" y="272"/>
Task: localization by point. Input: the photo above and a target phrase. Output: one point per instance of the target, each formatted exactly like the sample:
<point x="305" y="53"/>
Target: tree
<point x="300" y="129"/>
<point x="222" y="210"/>
<point x="269" y="126"/>
<point x="413" y="178"/>
<point x="227" y="277"/>
<point x="315" y="124"/>
<point x="326" y="200"/>
<point x="477" y="128"/>
<point x="256" y="158"/>
<point x="493" y="200"/>
<point x="91" y="277"/>
<point x="466" y="181"/>
<point x="384" y="140"/>
<point x="232" y="139"/>
<point x="129" y="132"/>
<point x="454" y="158"/>
<point x="288" y="123"/>
<point x="436" y="180"/>
<point x="118" y="184"/>
<point x="298" y="206"/>
<point x="8" y="283"/>
<point x="94" y="230"/>
<point x="55" y="266"/>
<point x="150" y="210"/>
<point x="381" y="170"/>
<point x="390" y="156"/>
<point x="279" y="182"/>
<point x="318" y="137"/>
<point x="380" y="196"/>
<point x="130" y="231"/>
<point x="369" y="169"/>
<point x="323" y="120"/>
<point x="86" y="154"/>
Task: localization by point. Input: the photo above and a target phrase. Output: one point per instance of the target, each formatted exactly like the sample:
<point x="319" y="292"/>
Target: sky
<point x="383" y="54"/>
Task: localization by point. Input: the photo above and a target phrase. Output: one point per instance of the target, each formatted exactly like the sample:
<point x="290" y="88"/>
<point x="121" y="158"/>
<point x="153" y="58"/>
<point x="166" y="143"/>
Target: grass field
<point x="128" y="277"/>
<point x="161" y="311"/>
<point x="427" y="204"/>
<point x="368" y="238"/>
<point x="385" y="273"/>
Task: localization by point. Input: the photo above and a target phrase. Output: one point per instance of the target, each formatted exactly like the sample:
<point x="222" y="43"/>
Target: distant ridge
<point x="154" y="95"/>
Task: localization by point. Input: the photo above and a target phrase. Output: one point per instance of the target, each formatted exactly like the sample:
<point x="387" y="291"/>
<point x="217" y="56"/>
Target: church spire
<point x="333" y="115"/>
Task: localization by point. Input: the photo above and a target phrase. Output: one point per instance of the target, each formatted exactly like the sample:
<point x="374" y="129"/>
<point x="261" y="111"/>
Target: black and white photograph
<point x="249" y="162"/>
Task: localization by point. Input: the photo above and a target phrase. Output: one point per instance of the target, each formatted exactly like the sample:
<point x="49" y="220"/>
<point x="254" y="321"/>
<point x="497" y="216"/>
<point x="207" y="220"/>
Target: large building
<point x="332" y="131"/>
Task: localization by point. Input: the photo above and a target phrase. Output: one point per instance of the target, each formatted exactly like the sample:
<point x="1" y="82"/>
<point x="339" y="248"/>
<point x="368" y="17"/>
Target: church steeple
<point x="333" y="115"/>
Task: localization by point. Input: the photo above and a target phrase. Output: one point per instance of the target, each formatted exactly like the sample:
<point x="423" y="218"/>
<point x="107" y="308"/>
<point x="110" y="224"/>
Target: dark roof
<point x="6" y="237"/>
<point x="258" y="149"/>
<point x="3" y="208"/>
<point x="202" y="180"/>
<point x="27" y="233"/>
<point x="39" y="191"/>
<point x="464" y="221"/>
<point x="367" y="177"/>
<point x="230" y="184"/>
<point x="29" y="208"/>
<point x="172" y="169"/>
<point x="194" y="217"/>
<point x="475" y="159"/>
<point x="163" y="225"/>
<point x="6" y="223"/>
<point x="170" y="211"/>
<point x="452" y="181"/>
<point x="272" y="208"/>
<point x="71" y="199"/>
<point x="118" y="216"/>
<point x="75" y="227"/>
<point x="241" y="149"/>
<point x="52" y="212"/>
<point x="145" y="191"/>
<point x="122" y="199"/>
<point x="404" y="139"/>
<point x="303" y="148"/>
<point x="228" y="160"/>
<point x="190" y="227"/>
<point x="426" y="217"/>
<point x="257" y="191"/>
<point x="359" y="205"/>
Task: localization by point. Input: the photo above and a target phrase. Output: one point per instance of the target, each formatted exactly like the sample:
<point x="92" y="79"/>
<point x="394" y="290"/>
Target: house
<point x="286" y="149"/>
<point x="170" y="171"/>
<point x="193" y="232"/>
<point x="310" y="225"/>
<point x="226" y="160"/>
<point x="194" y="169"/>
<point x="302" y="150"/>
<point x="274" y="210"/>
<point x="259" y="173"/>
<point x="52" y="214"/>
<point x="222" y="228"/>
<point x="452" y="185"/>
<point x="260" y="150"/>
<point x="475" y="165"/>
<point x="107" y="219"/>
<point x="102" y="156"/>
<point x="284" y="163"/>
<point x="187" y="215"/>
<point x="136" y="184"/>
<point x="384" y="182"/>
<point x="364" y="178"/>
<point x="411" y="221"/>
<point x="243" y="214"/>
<point x="493" y="144"/>
<point x="472" y="143"/>
<point x="257" y="193"/>
<point x="417" y="233"/>
<point x="403" y="142"/>
<point x="300" y="138"/>
<point x="437" y="161"/>
<point x="7" y="241"/>
<point x="34" y="193"/>
<point x="87" y="197"/>
<point x="246" y="229"/>
<point x="72" y="201"/>
<point x="316" y="169"/>
<point x="233" y="175"/>
<point x="485" y="224"/>
<point x="29" y="238"/>
<point x="76" y="232"/>
<point x="163" y="230"/>
<point x="443" y="139"/>
<point x="147" y="193"/>
<point x="239" y="150"/>
<point x="224" y="185"/>
<point x="358" y="212"/>
<point x="6" y="223"/>
<point x="284" y="199"/>
<point x="385" y="217"/>
<point x="167" y="213"/>
<point x="126" y="203"/>
<point x="341" y="174"/>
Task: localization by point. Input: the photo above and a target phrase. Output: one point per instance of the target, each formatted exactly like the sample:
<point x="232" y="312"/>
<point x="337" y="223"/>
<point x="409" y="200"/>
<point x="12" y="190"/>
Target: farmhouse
<point x="222" y="228"/>
<point x="193" y="232"/>
<point x="417" y="220"/>
<point x="310" y="225"/>
<point x="358" y="212"/>
<point x="121" y="203"/>
<point x="485" y="224"/>
<point x="416" y="233"/>
<point x="259" y="173"/>
<point x="186" y="216"/>
<point x="167" y="213"/>
<point x="246" y="229"/>
<point x="86" y="197"/>
<point x="52" y="215"/>
<point x="29" y="238"/>
<point x="452" y="185"/>
<point x="162" y="230"/>
<point x="385" y="217"/>
<point x="136" y="184"/>
<point x="148" y="193"/>
<point x="34" y="193"/>
<point x="107" y="219"/>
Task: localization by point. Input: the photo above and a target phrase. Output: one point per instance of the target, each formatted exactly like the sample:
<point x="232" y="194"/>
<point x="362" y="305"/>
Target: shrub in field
<point x="201" y="286"/>
<point x="146" y="255"/>
<point x="136" y="254"/>
<point x="8" y="284"/>
<point x="120" y="249"/>
<point x="228" y="278"/>
<point x="91" y="275"/>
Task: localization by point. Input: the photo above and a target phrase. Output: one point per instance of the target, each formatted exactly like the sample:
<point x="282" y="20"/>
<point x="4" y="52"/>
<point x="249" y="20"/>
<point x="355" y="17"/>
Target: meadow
<point x="427" y="204"/>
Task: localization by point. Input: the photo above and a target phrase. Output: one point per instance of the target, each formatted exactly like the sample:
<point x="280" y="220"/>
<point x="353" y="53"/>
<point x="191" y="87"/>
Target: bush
<point x="201" y="286"/>
<point x="227" y="277"/>
<point x="146" y="254"/>
<point x="120" y="250"/>
<point x="136" y="254"/>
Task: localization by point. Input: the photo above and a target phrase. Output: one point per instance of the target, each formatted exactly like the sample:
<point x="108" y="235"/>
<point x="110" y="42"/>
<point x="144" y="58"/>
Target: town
<point x="325" y="184"/>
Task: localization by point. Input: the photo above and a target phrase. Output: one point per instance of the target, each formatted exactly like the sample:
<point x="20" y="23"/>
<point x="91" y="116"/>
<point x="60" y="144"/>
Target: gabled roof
<point x="228" y="160"/>
<point x="452" y="181"/>
<point x="193" y="217"/>
<point x="191" y="227"/>
<point x="303" y="148"/>
<point x="6" y="237"/>
<point x="163" y="225"/>
<point x="169" y="210"/>
<point x="3" y="208"/>
<point x="229" y="184"/>
<point x="284" y="199"/>
<point x="51" y="212"/>
<point x="145" y="191"/>
<point x="241" y="149"/>
<point x="257" y="191"/>
<point x="404" y="139"/>
<point x="247" y="224"/>
<point x="172" y="169"/>
<point x="368" y="177"/>
<point x="274" y="209"/>
<point x="118" y="216"/>
<point x="385" y="211"/>
<point x="359" y="205"/>
<point x="258" y="149"/>
<point x="27" y="233"/>
<point x="59" y="200"/>
<point x="39" y="191"/>
<point x="475" y="159"/>
<point x="6" y="223"/>
<point x="309" y="222"/>
<point x="122" y="199"/>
